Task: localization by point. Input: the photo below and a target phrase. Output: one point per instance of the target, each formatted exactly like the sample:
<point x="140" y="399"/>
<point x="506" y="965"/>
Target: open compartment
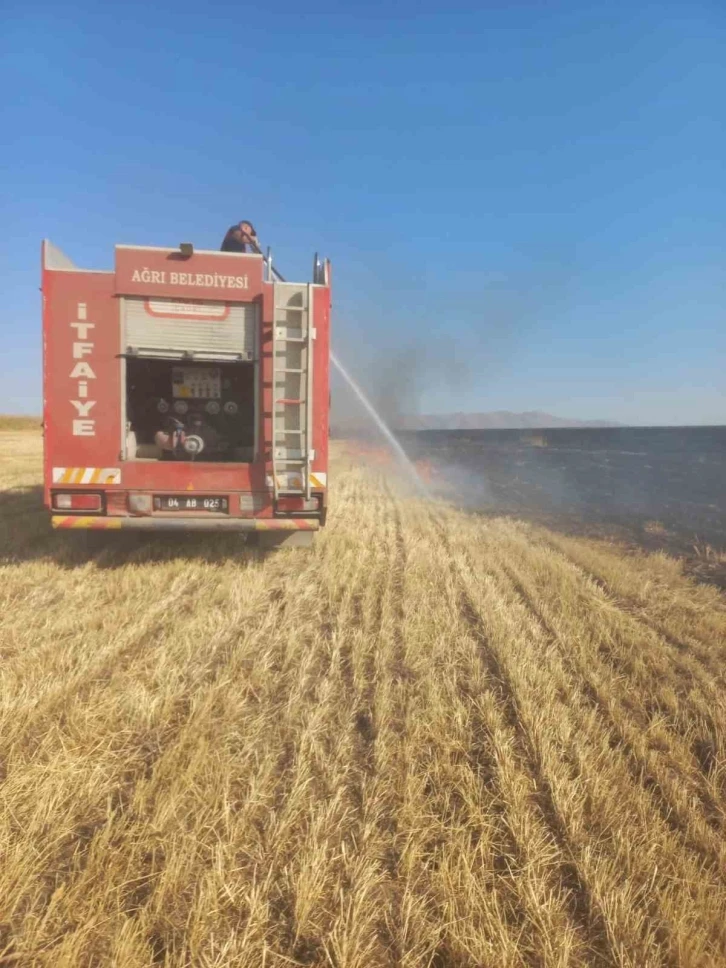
<point x="190" y="410"/>
<point x="190" y="379"/>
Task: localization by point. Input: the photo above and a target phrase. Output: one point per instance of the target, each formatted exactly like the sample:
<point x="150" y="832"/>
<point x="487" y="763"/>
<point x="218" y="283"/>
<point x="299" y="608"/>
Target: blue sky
<point x="527" y="200"/>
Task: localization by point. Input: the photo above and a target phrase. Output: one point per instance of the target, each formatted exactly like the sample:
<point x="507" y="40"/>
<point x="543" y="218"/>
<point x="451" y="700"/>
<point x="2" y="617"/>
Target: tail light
<point x="77" y="502"/>
<point x="292" y="504"/>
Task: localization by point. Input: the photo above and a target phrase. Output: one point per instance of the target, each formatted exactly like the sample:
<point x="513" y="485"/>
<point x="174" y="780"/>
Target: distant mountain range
<point x="495" y="420"/>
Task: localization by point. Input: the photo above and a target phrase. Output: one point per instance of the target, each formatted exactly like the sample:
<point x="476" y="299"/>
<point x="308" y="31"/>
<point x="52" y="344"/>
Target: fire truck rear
<point x="186" y="390"/>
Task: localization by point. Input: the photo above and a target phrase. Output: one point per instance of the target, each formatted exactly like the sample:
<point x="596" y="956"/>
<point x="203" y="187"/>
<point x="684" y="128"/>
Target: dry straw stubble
<point x="435" y="740"/>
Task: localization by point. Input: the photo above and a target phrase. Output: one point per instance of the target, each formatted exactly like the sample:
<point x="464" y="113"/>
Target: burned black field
<point x="661" y="488"/>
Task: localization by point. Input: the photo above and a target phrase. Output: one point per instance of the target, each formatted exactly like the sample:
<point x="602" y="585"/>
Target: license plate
<point x="196" y="502"/>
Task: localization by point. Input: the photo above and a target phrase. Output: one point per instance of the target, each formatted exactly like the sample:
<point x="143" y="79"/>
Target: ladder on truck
<point x="292" y="389"/>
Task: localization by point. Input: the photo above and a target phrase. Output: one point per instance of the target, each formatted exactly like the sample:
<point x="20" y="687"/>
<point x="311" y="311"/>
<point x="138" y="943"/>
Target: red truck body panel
<point x="83" y="378"/>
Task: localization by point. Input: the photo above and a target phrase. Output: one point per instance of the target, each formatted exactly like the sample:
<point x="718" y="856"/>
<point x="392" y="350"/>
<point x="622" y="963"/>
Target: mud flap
<point x="275" y="540"/>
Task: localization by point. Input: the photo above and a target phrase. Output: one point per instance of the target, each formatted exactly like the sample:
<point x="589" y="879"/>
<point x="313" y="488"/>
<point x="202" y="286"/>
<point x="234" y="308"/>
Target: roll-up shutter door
<point x="169" y="327"/>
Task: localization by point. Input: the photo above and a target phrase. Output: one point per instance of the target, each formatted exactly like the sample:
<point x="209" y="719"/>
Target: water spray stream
<point x="381" y="424"/>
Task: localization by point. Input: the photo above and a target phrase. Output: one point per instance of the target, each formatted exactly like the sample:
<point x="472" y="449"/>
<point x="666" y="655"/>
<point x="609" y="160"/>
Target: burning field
<point x="438" y="739"/>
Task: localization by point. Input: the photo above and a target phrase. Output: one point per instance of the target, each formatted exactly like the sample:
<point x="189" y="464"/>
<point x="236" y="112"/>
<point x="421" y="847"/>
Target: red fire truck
<point x="186" y="390"/>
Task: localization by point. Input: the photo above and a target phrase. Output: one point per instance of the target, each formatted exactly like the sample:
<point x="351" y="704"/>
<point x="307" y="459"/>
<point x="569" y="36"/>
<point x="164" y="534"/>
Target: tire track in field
<point x="399" y="669"/>
<point x="362" y="700"/>
<point x="315" y="676"/>
<point x="663" y="932"/>
<point x="640" y="770"/>
<point x="167" y="940"/>
<point x="371" y="605"/>
<point x="444" y="815"/>
<point x="583" y="908"/>
<point x="397" y="678"/>
<point x="696" y="647"/>
<point x="73" y="854"/>
<point x="708" y="674"/>
<point x="337" y="614"/>
<point x="81" y="684"/>
<point x="510" y="855"/>
<point x="683" y="670"/>
<point x="697" y="665"/>
<point x="143" y="633"/>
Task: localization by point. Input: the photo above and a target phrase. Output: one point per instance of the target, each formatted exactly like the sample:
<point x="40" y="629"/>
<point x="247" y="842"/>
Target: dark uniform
<point x="234" y="240"/>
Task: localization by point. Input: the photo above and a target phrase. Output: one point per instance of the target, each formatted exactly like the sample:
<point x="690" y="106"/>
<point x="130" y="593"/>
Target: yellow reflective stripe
<point x="86" y="475"/>
<point x="285" y="524"/>
<point x="98" y="524"/>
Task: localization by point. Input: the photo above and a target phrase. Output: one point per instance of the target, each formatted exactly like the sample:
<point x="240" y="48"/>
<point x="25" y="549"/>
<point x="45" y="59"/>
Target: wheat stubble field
<point x="436" y="740"/>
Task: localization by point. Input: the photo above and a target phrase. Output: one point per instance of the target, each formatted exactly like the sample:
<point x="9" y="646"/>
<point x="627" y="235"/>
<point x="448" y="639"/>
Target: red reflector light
<point x="116" y="501"/>
<point x="77" y="502"/>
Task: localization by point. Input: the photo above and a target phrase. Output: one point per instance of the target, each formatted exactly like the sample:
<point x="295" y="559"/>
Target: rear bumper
<point x="78" y="521"/>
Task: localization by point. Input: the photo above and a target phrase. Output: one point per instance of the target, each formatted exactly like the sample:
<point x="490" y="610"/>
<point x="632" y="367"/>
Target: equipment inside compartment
<point x="179" y="410"/>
